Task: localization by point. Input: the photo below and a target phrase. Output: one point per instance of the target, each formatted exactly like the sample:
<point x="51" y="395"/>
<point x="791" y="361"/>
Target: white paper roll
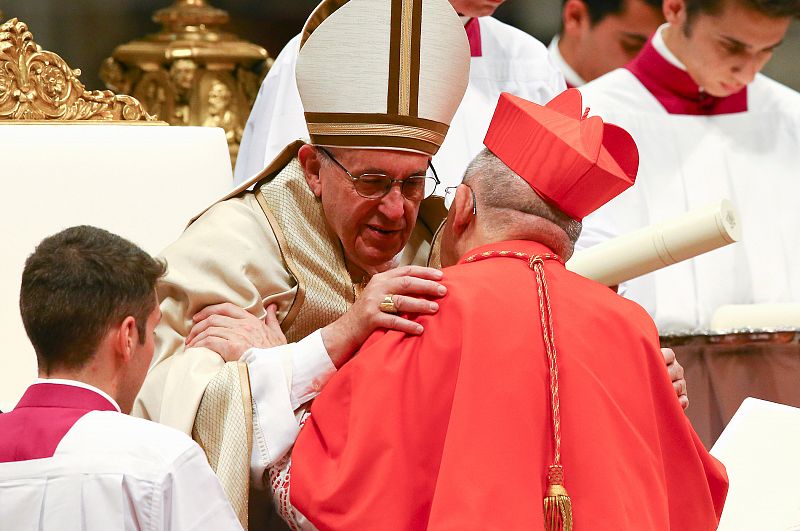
<point x="759" y="316"/>
<point x="651" y="248"/>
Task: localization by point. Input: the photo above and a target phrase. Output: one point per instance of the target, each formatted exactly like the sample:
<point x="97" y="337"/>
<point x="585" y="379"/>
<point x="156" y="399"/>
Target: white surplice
<point x="572" y="77"/>
<point x="113" y="471"/>
<point x="510" y="61"/>
<point x="687" y="162"/>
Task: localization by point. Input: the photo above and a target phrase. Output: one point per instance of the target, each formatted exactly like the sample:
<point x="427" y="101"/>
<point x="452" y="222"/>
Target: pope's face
<point x="724" y="52"/>
<point x="476" y="8"/>
<point x="372" y="231"/>
<point x="613" y="41"/>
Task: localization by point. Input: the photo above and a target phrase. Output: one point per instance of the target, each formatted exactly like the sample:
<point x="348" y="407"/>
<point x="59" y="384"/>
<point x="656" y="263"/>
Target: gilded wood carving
<point x="191" y="72"/>
<point x="39" y="85"/>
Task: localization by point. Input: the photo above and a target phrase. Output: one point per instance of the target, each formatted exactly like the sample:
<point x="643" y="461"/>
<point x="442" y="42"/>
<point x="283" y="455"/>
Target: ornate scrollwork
<point x="39" y="85"/>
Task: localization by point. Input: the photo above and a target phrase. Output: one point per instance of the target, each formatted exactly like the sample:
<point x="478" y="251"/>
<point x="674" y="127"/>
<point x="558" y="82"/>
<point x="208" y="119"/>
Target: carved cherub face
<point x="219" y="96"/>
<point x="53" y="81"/>
<point x="182" y="72"/>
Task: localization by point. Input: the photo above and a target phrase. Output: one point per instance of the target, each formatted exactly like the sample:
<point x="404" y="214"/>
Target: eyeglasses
<point x="450" y="195"/>
<point x="377" y="185"/>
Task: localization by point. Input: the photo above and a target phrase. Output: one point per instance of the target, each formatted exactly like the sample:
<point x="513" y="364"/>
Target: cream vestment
<point x="251" y="251"/>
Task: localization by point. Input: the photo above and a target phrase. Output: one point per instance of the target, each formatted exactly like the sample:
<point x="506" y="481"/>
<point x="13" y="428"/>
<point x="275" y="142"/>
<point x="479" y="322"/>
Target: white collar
<point x="570" y="74"/>
<point x="661" y="48"/>
<point x="84" y="385"/>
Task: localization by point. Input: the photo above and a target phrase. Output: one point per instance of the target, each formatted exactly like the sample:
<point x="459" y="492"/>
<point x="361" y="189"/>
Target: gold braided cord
<point x="536" y="263"/>
<point x="557" y="504"/>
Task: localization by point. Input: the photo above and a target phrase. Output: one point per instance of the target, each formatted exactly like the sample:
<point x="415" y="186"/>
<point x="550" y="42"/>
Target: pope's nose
<point x="393" y="204"/>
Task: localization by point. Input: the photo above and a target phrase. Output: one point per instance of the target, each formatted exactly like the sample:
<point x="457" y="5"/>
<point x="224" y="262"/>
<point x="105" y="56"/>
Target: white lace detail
<point x="279" y="476"/>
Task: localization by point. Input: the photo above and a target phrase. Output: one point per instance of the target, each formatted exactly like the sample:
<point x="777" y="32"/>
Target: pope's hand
<point x="676" y="375"/>
<point x="229" y="330"/>
<point x="410" y="288"/>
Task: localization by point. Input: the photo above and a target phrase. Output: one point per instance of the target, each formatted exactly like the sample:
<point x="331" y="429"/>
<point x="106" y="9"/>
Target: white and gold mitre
<point x="382" y="73"/>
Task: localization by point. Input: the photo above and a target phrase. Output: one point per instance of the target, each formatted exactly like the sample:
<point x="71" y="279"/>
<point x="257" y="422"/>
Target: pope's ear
<point x="463" y="209"/>
<point x="311" y="160"/>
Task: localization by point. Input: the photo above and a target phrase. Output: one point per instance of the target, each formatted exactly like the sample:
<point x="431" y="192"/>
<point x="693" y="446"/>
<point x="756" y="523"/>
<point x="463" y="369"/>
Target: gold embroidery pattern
<point x="315" y="255"/>
<point x="223" y="429"/>
<point x="353" y="129"/>
<point x="405" y="58"/>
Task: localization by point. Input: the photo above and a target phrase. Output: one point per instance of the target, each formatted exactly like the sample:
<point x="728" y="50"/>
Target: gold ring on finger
<point x="387" y="304"/>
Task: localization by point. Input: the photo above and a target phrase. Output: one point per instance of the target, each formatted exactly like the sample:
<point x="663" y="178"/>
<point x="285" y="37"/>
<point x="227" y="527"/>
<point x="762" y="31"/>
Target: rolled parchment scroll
<point x="651" y="248"/>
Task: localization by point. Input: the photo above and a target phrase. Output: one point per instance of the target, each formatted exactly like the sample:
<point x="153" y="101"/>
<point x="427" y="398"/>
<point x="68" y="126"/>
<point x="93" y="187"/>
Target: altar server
<point x="598" y="36"/>
<point x="501" y="415"/>
<point x="70" y="458"/>
<point x="503" y="59"/>
<point x="709" y="126"/>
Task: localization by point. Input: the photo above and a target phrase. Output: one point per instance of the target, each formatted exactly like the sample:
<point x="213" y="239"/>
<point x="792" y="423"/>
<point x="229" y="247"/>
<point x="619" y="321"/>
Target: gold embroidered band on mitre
<point x="375" y="130"/>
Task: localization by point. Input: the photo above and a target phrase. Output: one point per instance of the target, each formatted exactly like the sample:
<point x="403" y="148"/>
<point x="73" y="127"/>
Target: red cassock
<point x="453" y="430"/>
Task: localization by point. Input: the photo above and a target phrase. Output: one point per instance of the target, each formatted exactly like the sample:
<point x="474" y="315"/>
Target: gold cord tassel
<point x="557" y="505"/>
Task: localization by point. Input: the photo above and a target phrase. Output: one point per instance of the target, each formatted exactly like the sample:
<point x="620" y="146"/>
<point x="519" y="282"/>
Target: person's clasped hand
<point x="230" y="331"/>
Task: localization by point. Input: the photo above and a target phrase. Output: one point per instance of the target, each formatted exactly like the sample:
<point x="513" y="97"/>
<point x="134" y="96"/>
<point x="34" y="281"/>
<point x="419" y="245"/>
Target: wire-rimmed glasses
<point x="377" y="185"/>
<point x="450" y="195"/>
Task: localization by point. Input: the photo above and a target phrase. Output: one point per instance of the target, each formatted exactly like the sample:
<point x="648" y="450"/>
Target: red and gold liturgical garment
<point x="453" y="429"/>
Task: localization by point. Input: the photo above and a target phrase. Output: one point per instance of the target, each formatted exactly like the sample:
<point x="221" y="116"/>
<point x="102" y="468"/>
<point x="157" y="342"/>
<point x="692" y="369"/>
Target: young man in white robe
<point x="69" y="457"/>
<point x="598" y="36"/>
<point x="709" y="126"/>
<point x="503" y="59"/>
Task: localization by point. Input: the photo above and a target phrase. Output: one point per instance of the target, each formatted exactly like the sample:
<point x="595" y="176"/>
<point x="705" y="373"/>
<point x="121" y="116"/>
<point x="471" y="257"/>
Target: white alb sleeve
<point x="281" y="380"/>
